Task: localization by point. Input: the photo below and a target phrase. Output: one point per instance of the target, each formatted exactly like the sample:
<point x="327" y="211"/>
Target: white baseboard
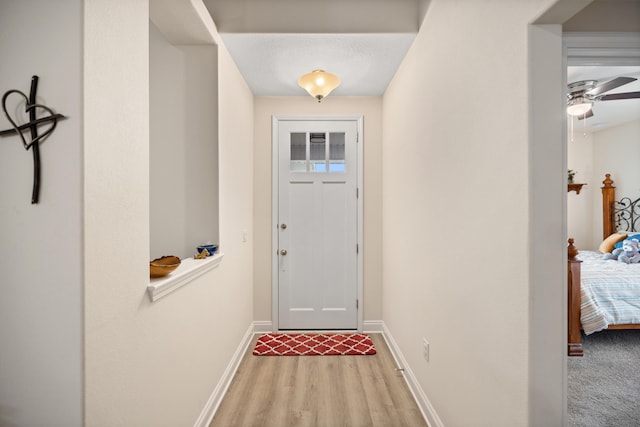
<point x="262" y="326"/>
<point x="221" y="388"/>
<point x="428" y="412"/>
<point x="373" y="326"/>
<point x="370" y="326"/>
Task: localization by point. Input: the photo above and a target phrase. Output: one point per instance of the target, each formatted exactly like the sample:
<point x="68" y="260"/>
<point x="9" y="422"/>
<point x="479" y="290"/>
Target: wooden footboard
<point x="574" y="340"/>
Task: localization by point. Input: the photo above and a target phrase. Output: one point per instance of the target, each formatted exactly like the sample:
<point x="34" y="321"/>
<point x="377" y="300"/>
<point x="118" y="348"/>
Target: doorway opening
<point x="317" y="223"/>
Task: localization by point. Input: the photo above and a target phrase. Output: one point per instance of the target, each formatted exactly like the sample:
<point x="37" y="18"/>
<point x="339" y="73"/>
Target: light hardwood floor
<point x="332" y="391"/>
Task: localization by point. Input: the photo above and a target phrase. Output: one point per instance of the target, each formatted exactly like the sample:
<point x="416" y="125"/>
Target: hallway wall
<point x="455" y="211"/>
<point x="154" y="364"/>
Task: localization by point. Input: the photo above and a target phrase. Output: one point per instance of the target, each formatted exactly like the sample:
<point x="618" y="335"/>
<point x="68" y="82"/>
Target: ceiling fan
<point x="582" y="94"/>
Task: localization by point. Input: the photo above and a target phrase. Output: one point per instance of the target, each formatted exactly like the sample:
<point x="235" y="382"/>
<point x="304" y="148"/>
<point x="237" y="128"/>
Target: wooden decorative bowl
<point x="162" y="266"/>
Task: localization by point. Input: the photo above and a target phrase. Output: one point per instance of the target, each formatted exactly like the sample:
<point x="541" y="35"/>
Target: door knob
<point x="283" y="252"/>
<point x="283" y="226"/>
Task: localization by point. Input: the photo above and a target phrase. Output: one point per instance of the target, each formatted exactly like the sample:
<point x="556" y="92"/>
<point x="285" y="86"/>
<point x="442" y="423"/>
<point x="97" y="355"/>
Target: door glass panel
<point x="318" y="152"/>
<point x="298" y="152"/>
<point x="336" y="152"/>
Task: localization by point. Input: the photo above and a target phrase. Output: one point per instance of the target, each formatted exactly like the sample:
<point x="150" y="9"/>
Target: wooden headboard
<point x="623" y="214"/>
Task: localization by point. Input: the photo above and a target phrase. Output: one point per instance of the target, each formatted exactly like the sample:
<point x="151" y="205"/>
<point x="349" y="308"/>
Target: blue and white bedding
<point x="610" y="292"/>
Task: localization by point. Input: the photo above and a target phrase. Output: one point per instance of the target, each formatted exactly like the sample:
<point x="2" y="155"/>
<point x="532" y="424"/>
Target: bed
<point x="604" y="294"/>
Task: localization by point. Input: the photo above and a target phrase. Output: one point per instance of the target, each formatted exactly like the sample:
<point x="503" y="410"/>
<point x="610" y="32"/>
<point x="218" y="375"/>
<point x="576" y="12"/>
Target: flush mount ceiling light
<point x="319" y="83"/>
<point x="578" y="106"/>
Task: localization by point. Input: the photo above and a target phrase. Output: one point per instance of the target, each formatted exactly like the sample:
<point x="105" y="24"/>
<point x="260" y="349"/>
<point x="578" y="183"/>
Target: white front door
<point x="317" y="224"/>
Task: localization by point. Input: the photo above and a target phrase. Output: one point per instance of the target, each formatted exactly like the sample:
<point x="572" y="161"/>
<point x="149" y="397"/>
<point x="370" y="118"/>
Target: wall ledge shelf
<point x="575" y="187"/>
<point x="189" y="270"/>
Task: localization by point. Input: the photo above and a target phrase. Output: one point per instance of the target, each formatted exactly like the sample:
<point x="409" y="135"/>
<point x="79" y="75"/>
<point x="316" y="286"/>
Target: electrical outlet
<point x="425" y="345"/>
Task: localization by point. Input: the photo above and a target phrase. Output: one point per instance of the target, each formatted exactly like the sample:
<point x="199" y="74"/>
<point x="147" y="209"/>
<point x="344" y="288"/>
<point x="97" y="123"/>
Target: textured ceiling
<point x="274" y="42"/>
<point x="272" y="63"/>
<point x="606" y="16"/>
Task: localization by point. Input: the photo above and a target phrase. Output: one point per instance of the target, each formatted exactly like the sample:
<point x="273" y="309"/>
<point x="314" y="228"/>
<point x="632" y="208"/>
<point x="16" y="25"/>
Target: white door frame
<point x="275" y="124"/>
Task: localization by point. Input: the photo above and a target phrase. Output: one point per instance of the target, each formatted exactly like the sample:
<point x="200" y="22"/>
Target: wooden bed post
<point x="608" y="209"/>
<point x="574" y="339"/>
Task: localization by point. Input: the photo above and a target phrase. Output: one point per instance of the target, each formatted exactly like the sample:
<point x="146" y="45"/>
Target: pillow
<point x="631" y="236"/>
<point x="607" y="244"/>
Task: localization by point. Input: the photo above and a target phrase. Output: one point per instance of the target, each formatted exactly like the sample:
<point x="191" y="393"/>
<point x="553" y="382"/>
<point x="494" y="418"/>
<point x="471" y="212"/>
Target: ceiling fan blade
<point x="586" y="115"/>
<point x="611" y="84"/>
<point x="614" y="96"/>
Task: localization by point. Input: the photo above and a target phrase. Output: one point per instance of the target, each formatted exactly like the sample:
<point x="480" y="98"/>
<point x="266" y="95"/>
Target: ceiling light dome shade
<point x="319" y="83"/>
<point x="578" y="106"/>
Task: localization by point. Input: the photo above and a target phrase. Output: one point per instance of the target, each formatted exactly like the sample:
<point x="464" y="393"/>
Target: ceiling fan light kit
<point x="578" y="106"/>
<point x="319" y="83"/>
<point x="583" y="94"/>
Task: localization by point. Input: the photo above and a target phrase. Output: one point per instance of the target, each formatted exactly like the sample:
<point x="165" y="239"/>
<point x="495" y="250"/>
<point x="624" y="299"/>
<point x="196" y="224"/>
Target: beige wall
<point x="456" y="211"/>
<point x="371" y="109"/>
<point x="616" y="151"/>
<point x="41" y="260"/>
<point x="153" y="364"/>
<point x="580" y="218"/>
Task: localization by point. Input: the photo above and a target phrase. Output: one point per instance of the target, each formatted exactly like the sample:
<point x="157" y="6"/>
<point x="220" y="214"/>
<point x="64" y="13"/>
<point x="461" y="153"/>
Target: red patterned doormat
<point x="314" y="345"/>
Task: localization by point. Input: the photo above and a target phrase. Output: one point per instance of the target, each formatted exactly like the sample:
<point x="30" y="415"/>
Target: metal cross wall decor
<point x="32" y="126"/>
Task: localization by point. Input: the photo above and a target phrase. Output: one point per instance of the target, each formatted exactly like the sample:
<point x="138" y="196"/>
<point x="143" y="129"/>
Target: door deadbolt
<point x="283" y="252"/>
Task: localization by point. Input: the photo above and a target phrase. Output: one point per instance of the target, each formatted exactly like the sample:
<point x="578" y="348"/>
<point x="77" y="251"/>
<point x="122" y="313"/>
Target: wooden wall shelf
<point x="575" y="187"/>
